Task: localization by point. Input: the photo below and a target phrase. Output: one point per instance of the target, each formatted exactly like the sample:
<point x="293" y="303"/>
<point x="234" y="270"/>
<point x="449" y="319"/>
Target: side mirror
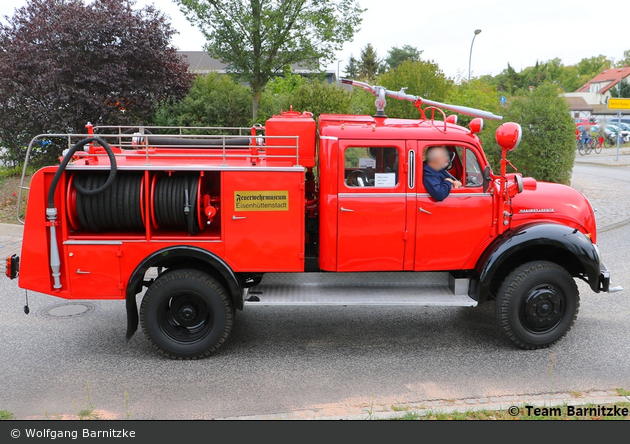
<point x="486" y="179"/>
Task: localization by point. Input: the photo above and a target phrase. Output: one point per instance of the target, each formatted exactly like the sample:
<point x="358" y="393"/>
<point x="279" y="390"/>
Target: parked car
<point x="611" y="132"/>
<point x="583" y="121"/>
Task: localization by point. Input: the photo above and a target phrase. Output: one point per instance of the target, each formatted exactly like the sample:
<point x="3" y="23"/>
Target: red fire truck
<point x="300" y="212"/>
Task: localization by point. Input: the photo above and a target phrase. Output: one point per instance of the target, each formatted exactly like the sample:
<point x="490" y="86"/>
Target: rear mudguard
<point x="564" y="245"/>
<point x="176" y="257"/>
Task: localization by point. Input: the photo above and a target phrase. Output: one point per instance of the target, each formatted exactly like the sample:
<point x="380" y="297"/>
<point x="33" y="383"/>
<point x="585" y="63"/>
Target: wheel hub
<point x="544" y="307"/>
<point x="188" y="311"/>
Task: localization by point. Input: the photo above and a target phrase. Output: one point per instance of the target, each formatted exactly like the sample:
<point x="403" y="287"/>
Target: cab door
<point x="448" y="233"/>
<point x="371" y="204"/>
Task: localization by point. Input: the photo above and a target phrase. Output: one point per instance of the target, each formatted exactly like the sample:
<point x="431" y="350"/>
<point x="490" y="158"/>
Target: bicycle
<point x="585" y="148"/>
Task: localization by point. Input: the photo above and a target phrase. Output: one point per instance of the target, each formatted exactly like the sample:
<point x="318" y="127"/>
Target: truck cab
<point x="372" y="176"/>
<point x="332" y="211"/>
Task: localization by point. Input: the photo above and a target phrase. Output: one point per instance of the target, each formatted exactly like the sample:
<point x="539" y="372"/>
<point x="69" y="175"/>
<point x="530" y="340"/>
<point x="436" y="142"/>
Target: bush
<point x="321" y="98"/>
<point x="213" y="100"/>
<point x="277" y="94"/>
<point x="316" y="96"/>
<point x="547" y="149"/>
<point x="476" y="94"/>
<point x="423" y="78"/>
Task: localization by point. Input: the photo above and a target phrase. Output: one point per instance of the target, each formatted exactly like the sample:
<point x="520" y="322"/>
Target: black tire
<point x="598" y="149"/>
<point x="186" y="314"/>
<point x="537" y="304"/>
<point x="581" y="149"/>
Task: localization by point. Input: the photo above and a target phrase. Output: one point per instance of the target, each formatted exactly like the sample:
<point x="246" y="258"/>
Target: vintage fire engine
<point x="300" y="212"/>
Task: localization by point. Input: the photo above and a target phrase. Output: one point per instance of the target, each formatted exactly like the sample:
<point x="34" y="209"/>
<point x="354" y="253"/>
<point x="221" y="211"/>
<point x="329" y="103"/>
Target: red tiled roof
<point x="612" y="75"/>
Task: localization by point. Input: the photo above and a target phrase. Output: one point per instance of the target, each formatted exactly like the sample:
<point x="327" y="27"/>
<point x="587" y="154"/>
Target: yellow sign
<point x="618" y="103"/>
<point x="261" y="201"/>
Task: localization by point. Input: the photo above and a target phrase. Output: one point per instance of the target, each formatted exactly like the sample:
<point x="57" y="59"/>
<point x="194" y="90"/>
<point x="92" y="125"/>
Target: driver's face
<point x="441" y="160"/>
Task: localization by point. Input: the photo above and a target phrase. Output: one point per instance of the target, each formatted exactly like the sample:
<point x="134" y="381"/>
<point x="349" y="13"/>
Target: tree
<point x="213" y="100"/>
<point x="625" y="61"/>
<point x="423" y="78"/>
<point x="547" y="148"/>
<point x="352" y="68"/>
<point x="475" y="94"/>
<point x="625" y="90"/>
<point x="258" y="38"/>
<point x="369" y="64"/>
<point x="398" y="55"/>
<point x="64" y="63"/>
<point x="508" y="80"/>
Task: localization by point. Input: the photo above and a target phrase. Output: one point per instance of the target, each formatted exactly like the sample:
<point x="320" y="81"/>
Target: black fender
<point x="567" y="246"/>
<point x="177" y="256"/>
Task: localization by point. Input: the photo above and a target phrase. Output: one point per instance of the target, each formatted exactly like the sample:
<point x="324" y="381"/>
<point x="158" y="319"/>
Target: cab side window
<point x="371" y="167"/>
<point x="474" y="175"/>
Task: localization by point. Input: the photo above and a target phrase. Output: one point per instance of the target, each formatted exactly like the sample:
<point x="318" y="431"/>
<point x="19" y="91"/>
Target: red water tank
<point x="287" y="131"/>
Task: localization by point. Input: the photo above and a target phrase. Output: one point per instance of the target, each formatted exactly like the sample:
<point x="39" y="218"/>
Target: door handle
<point x="238" y="217"/>
<point x="82" y="272"/>
<point x="346" y="210"/>
<point x="423" y="210"/>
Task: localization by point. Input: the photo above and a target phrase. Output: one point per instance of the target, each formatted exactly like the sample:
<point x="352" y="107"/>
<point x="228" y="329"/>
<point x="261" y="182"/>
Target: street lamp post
<point x="477" y="32"/>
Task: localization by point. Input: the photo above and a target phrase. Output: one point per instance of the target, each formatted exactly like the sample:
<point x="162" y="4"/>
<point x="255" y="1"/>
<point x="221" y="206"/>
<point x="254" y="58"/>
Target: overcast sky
<point x="517" y="31"/>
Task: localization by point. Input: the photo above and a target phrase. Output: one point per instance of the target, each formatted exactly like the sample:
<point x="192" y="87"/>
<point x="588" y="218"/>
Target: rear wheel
<point x="186" y="314"/>
<point x="537" y="304"/>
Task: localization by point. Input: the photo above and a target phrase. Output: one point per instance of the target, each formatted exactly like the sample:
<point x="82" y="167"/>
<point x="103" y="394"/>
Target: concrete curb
<point x="452" y="406"/>
<point x="604" y="164"/>
<point x="11" y="230"/>
<point x="613" y="226"/>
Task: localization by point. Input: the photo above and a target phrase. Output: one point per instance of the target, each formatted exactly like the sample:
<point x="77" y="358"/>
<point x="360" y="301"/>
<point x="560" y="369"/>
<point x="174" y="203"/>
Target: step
<point x="396" y="288"/>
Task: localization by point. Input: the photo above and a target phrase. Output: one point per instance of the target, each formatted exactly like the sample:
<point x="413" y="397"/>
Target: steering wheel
<point x="474" y="179"/>
<point x="450" y="160"/>
<point x="357" y="178"/>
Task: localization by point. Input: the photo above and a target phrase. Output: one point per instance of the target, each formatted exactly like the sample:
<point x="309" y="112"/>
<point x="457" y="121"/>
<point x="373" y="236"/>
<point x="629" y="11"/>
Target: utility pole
<point x="618" y="119"/>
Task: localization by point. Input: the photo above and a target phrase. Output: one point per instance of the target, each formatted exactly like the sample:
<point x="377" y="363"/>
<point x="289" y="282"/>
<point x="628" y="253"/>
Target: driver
<point x="437" y="181"/>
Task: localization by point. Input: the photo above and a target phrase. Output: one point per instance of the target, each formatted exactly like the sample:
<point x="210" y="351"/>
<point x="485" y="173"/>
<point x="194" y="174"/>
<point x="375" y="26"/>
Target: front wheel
<point x="581" y="149"/>
<point x="186" y="314"/>
<point x="537" y="304"/>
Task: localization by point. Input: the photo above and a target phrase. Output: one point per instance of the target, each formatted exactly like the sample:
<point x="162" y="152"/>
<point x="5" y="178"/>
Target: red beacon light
<point x="452" y="119"/>
<point x="476" y="125"/>
<point x="509" y="135"/>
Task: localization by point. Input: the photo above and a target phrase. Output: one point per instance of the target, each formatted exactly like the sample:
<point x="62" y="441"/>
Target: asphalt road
<point x="284" y="359"/>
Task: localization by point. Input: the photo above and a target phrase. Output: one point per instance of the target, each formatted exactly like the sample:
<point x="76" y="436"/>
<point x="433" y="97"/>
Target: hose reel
<point x="176" y="202"/>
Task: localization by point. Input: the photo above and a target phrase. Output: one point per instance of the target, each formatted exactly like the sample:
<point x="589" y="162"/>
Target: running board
<point x="405" y="288"/>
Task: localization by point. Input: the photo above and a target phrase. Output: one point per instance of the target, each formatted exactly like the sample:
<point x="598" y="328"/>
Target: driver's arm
<point x="435" y="184"/>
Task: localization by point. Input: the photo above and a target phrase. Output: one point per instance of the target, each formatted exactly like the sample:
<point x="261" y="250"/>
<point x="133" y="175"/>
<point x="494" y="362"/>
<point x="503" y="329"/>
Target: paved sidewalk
<point x="424" y="408"/>
<point x="608" y="157"/>
<point x="609" y="198"/>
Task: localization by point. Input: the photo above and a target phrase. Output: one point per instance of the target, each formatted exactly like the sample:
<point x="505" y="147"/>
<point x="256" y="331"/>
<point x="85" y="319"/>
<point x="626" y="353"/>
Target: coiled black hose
<point x="175" y="202"/>
<point x="79" y="187"/>
<point x="117" y="208"/>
